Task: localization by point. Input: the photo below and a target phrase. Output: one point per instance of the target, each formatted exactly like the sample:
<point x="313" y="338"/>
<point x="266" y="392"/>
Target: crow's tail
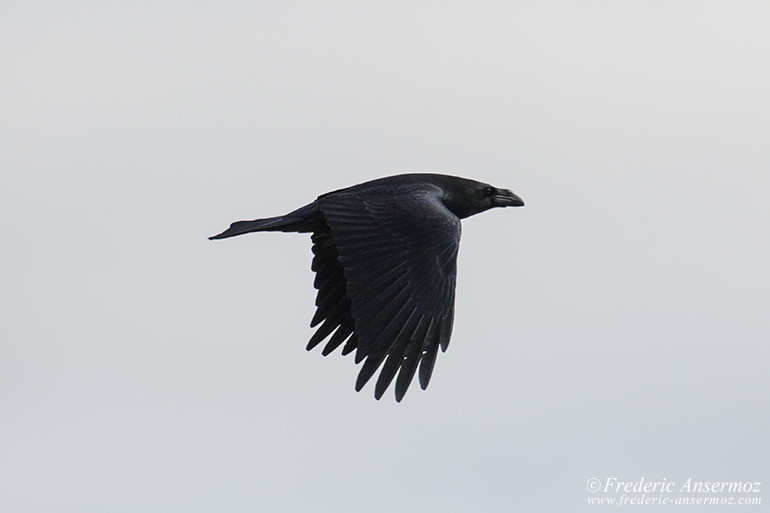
<point x="305" y="219"/>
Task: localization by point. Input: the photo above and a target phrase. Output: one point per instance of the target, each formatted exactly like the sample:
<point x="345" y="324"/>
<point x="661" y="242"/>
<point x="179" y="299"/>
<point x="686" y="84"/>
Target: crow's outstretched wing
<point x="397" y="247"/>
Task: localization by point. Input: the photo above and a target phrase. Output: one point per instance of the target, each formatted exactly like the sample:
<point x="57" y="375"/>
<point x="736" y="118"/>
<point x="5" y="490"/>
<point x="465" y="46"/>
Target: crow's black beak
<point x="505" y="198"/>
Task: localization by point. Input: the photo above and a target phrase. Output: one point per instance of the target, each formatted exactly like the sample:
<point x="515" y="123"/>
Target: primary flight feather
<point x="385" y="258"/>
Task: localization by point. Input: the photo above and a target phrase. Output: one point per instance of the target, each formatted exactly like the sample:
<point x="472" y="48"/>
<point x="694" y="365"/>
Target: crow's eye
<point x="489" y="191"/>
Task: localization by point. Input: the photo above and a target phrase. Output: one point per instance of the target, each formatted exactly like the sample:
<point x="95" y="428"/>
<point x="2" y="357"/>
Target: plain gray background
<point x="615" y="326"/>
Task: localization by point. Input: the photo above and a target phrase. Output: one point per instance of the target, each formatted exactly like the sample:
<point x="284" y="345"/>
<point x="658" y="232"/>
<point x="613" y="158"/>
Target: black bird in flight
<point x="386" y="263"/>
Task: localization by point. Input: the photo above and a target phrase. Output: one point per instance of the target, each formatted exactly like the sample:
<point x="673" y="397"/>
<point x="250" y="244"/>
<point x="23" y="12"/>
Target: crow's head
<point x="468" y="197"/>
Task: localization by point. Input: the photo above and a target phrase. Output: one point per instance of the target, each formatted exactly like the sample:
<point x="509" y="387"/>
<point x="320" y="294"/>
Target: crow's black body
<point x="385" y="258"/>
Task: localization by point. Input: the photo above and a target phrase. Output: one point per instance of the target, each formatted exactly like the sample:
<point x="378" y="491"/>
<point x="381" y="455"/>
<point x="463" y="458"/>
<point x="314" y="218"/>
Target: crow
<point x="385" y="258"/>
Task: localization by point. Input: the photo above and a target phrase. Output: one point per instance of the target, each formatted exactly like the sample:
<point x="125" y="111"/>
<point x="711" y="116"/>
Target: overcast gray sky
<point x="615" y="326"/>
